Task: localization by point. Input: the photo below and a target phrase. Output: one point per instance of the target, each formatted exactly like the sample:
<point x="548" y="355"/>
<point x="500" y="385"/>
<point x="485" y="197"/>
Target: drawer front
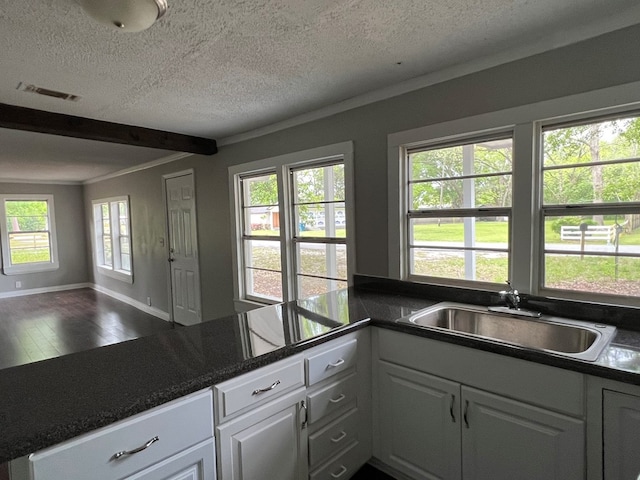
<point x="333" y="438"/>
<point x="332" y="398"/>
<point x="257" y="387"/>
<point x="332" y="361"/>
<point x="177" y="425"/>
<point x="342" y="467"/>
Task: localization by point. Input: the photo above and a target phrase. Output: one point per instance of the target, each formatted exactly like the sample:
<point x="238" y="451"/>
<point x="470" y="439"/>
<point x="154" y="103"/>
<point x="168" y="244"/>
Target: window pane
<point x="262" y="190"/>
<point x="472" y="159"/>
<point x="319" y="184"/>
<point x="487" y="232"/>
<point x="460" y="264"/>
<point x="107" y="250"/>
<point x="592" y="273"/>
<point x="321" y="220"/>
<point x="467" y="193"/>
<point x="261" y="283"/>
<point x="308" y="286"/>
<point x="123" y="210"/>
<point x="29" y="247"/>
<point x="27" y="215"/>
<point x="598" y="233"/>
<point x="262" y="254"/>
<point x="262" y="221"/>
<point x="592" y="184"/>
<point x="325" y="260"/>
<point x="106" y="226"/>
<point x="125" y="262"/>
<point x="125" y="247"/>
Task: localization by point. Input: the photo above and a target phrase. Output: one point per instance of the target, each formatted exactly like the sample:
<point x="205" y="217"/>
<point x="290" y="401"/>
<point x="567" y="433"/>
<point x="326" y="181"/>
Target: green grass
<point x="30" y="256"/>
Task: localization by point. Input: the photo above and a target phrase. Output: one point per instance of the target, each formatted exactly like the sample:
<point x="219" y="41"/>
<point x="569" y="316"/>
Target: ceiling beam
<point x="20" y="118"/>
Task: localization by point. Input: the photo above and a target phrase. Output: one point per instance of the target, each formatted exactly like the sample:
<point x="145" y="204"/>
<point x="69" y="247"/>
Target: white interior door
<point x="183" y="249"/>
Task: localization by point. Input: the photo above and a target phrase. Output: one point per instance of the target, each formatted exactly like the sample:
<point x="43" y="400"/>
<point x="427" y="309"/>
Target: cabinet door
<point x="621" y="423"/>
<point x="419" y="423"/>
<point x="506" y="439"/>
<point x="195" y="463"/>
<point x="265" y="444"/>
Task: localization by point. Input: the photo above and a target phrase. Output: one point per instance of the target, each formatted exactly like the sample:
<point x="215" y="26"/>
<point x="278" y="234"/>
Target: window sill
<point x="116" y="274"/>
<point x="32" y="268"/>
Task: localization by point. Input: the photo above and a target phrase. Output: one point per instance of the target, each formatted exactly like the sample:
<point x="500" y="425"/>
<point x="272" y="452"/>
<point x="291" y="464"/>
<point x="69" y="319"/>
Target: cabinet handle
<point x="337" y="400"/>
<point x="453" y="401"/>
<point x="466" y="412"/>
<point x="342" y="471"/>
<point x="117" y="455"/>
<point x="340" y="437"/>
<point x="303" y="406"/>
<point x="263" y="390"/>
<point x="335" y="364"/>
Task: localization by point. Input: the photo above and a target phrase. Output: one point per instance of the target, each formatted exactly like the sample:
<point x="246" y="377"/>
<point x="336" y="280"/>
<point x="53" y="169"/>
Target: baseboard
<point x="34" y="291"/>
<point x="384" y="468"/>
<point x="156" y="312"/>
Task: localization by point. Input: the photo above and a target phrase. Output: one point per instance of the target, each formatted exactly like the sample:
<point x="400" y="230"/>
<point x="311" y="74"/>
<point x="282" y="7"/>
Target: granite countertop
<point x="46" y="402"/>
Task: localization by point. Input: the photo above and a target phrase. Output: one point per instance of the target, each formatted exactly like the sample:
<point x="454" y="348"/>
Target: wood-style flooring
<point x="47" y="325"/>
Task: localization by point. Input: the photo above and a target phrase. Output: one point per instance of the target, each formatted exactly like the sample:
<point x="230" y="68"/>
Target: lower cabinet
<point x="621" y="435"/>
<point x="430" y="427"/>
<point x="195" y="463"/>
<point x="266" y="443"/>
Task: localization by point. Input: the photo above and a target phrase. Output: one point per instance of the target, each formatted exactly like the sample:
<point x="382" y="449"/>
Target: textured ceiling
<point x="220" y="68"/>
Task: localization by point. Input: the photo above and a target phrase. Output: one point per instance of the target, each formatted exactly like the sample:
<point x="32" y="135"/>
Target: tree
<point x="26" y="215"/>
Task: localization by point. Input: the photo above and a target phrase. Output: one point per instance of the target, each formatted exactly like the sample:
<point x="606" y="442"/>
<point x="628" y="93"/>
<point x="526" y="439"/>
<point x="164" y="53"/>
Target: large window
<point x="459" y="204"/>
<point x="540" y="195"/>
<point x="28" y="233"/>
<point x="591" y="206"/>
<point x="291" y="225"/>
<point x="112" y="237"/>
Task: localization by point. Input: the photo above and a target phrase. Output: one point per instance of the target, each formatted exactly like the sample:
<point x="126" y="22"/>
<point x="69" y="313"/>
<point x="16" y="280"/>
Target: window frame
<point x="35" y="267"/>
<point x="527" y="121"/>
<point x="282" y="165"/>
<point x="114" y="270"/>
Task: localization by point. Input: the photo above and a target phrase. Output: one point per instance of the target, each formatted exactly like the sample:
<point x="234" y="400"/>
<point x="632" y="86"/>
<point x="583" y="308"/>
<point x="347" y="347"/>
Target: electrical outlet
<point x="18" y="284"/>
<point x="149" y="301"/>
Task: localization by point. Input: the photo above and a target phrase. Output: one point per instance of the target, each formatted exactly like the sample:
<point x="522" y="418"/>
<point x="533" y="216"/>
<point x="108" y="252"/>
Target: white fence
<point x="593" y="233"/>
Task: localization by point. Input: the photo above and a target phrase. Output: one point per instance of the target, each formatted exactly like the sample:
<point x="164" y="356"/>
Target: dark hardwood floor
<point x="367" y="472"/>
<point x="42" y="326"/>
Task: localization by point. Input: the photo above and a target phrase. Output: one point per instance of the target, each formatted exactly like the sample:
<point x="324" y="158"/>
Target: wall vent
<point x="25" y="87"/>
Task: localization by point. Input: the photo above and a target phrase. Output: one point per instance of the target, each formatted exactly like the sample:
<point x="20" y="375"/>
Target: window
<point x="292" y="215"/>
<point x="112" y="237"/>
<point x="28" y="234"/>
<point x="591" y="206"/>
<point x="459" y="204"/>
<point x="538" y="194"/>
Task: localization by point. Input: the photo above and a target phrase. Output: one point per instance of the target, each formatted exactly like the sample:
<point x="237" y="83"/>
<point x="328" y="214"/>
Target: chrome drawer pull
<point x="263" y="390"/>
<point x="340" y="437"/>
<point x="335" y="364"/>
<point x="337" y="400"/>
<point x="117" y="455"/>
<point x="342" y="471"/>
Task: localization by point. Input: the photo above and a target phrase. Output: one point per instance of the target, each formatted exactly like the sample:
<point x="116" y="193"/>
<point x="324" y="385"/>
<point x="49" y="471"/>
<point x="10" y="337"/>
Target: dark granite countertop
<point x="46" y="402"/>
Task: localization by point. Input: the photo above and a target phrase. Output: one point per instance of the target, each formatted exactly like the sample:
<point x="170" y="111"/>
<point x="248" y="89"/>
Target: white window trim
<point x="122" y="275"/>
<point x="7" y="267"/>
<point x="344" y="151"/>
<point x="526" y="122"/>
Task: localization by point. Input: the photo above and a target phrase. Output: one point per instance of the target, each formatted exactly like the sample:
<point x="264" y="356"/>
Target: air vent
<point x="25" y="87"/>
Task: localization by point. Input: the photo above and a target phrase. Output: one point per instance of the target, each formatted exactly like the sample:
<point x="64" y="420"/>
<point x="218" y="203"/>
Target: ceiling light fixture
<point x="125" y="15"/>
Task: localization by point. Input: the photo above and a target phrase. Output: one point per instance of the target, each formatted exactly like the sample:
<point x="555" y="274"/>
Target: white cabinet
<point x="267" y="443"/>
<point x="305" y="416"/>
<point x="172" y="441"/>
<point x="621" y="424"/>
<point x="430" y="427"/>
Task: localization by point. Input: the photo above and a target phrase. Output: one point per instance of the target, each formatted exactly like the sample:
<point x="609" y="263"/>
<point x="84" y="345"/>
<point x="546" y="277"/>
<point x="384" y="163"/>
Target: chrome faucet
<point x="511" y="297"/>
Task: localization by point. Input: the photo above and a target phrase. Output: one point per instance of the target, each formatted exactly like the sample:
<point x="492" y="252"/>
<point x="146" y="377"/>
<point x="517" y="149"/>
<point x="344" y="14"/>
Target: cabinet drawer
<point x="332" y="361"/>
<point x="331" y="398"/>
<point x="333" y="438"/>
<point x="177" y="425"/>
<point x="255" y="388"/>
<point x="342" y="467"/>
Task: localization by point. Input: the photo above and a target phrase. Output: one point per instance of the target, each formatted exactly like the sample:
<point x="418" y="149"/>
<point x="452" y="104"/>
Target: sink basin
<point x="572" y="338"/>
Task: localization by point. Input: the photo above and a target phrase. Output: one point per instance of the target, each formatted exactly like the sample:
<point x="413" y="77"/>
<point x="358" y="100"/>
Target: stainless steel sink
<point x="572" y="338"/>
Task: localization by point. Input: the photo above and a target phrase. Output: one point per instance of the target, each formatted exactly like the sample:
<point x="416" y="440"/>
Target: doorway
<point x="182" y="233"/>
